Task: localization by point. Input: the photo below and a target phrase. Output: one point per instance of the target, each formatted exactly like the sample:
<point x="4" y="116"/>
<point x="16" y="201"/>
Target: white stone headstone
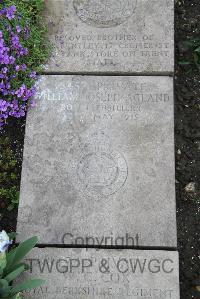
<point x="104" y="274"/>
<point x="123" y="36"/>
<point x="98" y="163"/>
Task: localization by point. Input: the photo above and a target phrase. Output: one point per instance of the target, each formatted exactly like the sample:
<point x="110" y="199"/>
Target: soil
<point x="15" y="130"/>
<point x="187" y="143"/>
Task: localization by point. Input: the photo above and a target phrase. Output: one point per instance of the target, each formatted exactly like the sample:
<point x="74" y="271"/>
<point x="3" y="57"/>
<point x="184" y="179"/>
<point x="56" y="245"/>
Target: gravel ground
<point x="187" y="141"/>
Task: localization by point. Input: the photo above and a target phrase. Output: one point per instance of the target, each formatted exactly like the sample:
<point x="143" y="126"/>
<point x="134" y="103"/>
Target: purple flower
<point x="10" y="14"/>
<point x="4" y="59"/>
<point x="3" y="106"/>
<point x="26" y="32"/>
<point x="14" y="105"/>
<point x="5" y="88"/>
<point x="33" y="75"/>
<point x="2" y="86"/>
<point x="18" y="28"/>
<point x="12" y="59"/>
<point x="15" y="41"/>
<point x="23" y="51"/>
<point x="8" y="85"/>
<point x="3" y="11"/>
<point x="9" y="28"/>
<point x="17" y="68"/>
<point x="20" y="92"/>
<point x="29" y="93"/>
<point x="32" y="104"/>
<point x="13" y="101"/>
<point x="23" y="67"/>
<point x="4" y="70"/>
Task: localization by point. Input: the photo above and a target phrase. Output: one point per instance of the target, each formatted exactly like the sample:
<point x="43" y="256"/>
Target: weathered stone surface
<point x="91" y="274"/>
<point x="99" y="162"/>
<point x="111" y="36"/>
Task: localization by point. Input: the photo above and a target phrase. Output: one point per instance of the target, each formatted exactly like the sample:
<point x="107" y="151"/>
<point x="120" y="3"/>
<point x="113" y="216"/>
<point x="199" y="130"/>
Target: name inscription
<point x="107" y="102"/>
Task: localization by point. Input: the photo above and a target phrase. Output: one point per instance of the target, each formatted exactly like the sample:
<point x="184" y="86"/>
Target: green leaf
<point x="196" y="58"/>
<point x="12" y="236"/>
<point x="5" y="292"/>
<point x="21" y="251"/>
<point x="188" y="44"/>
<point x="197" y="49"/>
<point x="15" y="200"/>
<point x="11" y="276"/>
<point x="15" y="267"/>
<point x="31" y="284"/>
<point x="184" y="62"/>
<point x="1" y="273"/>
<point x="3" y="261"/>
<point x="3" y="284"/>
<point x="18" y="296"/>
<point x="10" y="207"/>
<point x="10" y="258"/>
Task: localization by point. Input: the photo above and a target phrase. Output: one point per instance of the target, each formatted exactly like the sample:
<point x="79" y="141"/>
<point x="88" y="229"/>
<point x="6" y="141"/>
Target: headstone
<point x="98" y="163"/>
<point x="124" y="36"/>
<point x="91" y="274"/>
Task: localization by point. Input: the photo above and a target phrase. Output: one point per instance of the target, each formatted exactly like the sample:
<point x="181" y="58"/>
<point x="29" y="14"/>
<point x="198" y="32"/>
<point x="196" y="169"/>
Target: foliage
<point x="23" y="50"/>
<point x="196" y="287"/>
<point x="193" y="47"/>
<point x="9" y="175"/>
<point x="12" y="266"/>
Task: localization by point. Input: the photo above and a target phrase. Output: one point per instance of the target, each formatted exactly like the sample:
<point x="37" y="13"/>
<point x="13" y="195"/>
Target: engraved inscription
<point x="110" y="36"/>
<point x="110" y="49"/>
<point x="101" y="170"/>
<point x="93" y="276"/>
<point x="102" y="173"/>
<point x="99" y="158"/>
<point x="104" y="13"/>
